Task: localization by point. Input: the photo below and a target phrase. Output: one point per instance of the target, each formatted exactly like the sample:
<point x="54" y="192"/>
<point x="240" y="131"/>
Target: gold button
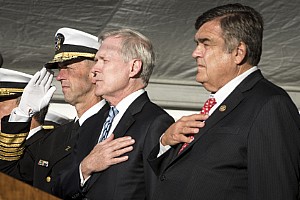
<point x="48" y="179"/>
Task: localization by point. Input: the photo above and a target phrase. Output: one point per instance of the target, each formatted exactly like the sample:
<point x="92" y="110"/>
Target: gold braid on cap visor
<point x="10" y="91"/>
<point x="63" y="56"/>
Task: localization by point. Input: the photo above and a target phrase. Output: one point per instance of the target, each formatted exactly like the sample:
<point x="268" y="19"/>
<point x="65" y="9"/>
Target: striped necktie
<point x="107" y="124"/>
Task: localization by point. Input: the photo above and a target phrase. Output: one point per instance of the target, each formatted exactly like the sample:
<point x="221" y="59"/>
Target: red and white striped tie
<point x="205" y="110"/>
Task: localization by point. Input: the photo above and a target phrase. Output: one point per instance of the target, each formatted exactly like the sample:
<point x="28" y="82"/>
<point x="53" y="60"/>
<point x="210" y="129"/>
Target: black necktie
<point x="75" y="128"/>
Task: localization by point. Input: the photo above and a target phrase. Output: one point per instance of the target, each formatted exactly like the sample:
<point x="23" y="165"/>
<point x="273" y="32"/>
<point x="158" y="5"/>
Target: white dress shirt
<point x="91" y="111"/>
<point x="33" y="131"/>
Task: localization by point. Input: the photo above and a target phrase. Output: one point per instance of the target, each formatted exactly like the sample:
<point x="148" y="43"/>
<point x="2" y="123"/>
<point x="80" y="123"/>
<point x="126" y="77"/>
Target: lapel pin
<point x="43" y="163"/>
<point x="222" y="108"/>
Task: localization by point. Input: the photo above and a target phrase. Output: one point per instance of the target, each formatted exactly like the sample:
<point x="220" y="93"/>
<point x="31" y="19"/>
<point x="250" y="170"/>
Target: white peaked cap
<point x="73" y="45"/>
<point x="79" y="38"/>
<point x="8" y="75"/>
<point x="12" y="83"/>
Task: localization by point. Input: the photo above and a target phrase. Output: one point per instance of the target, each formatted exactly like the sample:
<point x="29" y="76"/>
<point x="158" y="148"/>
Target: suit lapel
<point x="38" y="135"/>
<point x="128" y="118"/>
<point x="62" y="151"/>
<point x="124" y="124"/>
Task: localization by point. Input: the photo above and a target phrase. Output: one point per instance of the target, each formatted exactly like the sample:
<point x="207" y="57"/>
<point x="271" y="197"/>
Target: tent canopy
<point x="28" y="28"/>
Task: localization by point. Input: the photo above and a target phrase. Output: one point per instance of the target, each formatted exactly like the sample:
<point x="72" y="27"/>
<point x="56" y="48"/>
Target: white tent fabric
<point x="28" y="27"/>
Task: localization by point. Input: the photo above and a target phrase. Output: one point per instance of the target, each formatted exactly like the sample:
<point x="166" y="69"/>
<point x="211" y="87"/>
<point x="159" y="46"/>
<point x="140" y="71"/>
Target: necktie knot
<point x="113" y="111"/>
<point x="208" y="105"/>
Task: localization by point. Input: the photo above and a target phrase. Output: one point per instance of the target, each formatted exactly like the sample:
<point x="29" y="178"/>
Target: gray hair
<point x="135" y="46"/>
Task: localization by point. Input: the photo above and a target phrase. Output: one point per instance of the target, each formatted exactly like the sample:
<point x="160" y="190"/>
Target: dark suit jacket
<point x="250" y="150"/>
<point x="31" y="148"/>
<point x="133" y="179"/>
<point x="43" y="161"/>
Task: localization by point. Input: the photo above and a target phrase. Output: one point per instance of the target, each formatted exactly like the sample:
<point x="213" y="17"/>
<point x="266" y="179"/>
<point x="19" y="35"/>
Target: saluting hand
<point x="38" y="93"/>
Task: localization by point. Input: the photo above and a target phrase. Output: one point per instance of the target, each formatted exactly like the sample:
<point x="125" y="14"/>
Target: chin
<point x="98" y="93"/>
<point x="210" y="88"/>
<point x="199" y="80"/>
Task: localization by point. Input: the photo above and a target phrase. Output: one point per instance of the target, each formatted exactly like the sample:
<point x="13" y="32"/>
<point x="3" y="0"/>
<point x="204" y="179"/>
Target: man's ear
<point x="240" y="53"/>
<point x="136" y="68"/>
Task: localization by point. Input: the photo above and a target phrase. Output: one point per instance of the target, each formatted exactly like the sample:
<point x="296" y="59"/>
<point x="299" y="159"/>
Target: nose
<point x="96" y="68"/>
<point x="198" y="52"/>
<point x="94" y="71"/>
<point x="61" y="74"/>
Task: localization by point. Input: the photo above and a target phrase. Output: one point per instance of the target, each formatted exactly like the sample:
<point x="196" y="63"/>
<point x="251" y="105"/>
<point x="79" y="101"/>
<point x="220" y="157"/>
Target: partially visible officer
<point x="74" y="57"/>
<point x="12" y="84"/>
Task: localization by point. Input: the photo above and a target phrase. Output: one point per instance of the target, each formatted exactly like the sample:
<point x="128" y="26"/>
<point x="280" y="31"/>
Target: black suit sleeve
<point x="67" y="185"/>
<point x="158" y="163"/>
<point x="156" y="129"/>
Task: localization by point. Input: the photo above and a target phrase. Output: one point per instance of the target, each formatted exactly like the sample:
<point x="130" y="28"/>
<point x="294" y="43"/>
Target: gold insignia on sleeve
<point x="12" y="138"/>
<point x="11" y="156"/>
<point x="12" y="146"/>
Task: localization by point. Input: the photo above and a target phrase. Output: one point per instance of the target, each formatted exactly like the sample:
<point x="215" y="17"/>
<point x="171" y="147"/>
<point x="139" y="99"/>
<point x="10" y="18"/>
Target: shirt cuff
<point x="82" y="181"/>
<point x="17" y="115"/>
<point x="162" y="148"/>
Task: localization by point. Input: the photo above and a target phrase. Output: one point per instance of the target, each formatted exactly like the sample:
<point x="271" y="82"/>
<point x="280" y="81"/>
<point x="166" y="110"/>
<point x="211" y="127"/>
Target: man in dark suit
<point x="248" y="145"/>
<point x="128" y="57"/>
<point x="40" y="164"/>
